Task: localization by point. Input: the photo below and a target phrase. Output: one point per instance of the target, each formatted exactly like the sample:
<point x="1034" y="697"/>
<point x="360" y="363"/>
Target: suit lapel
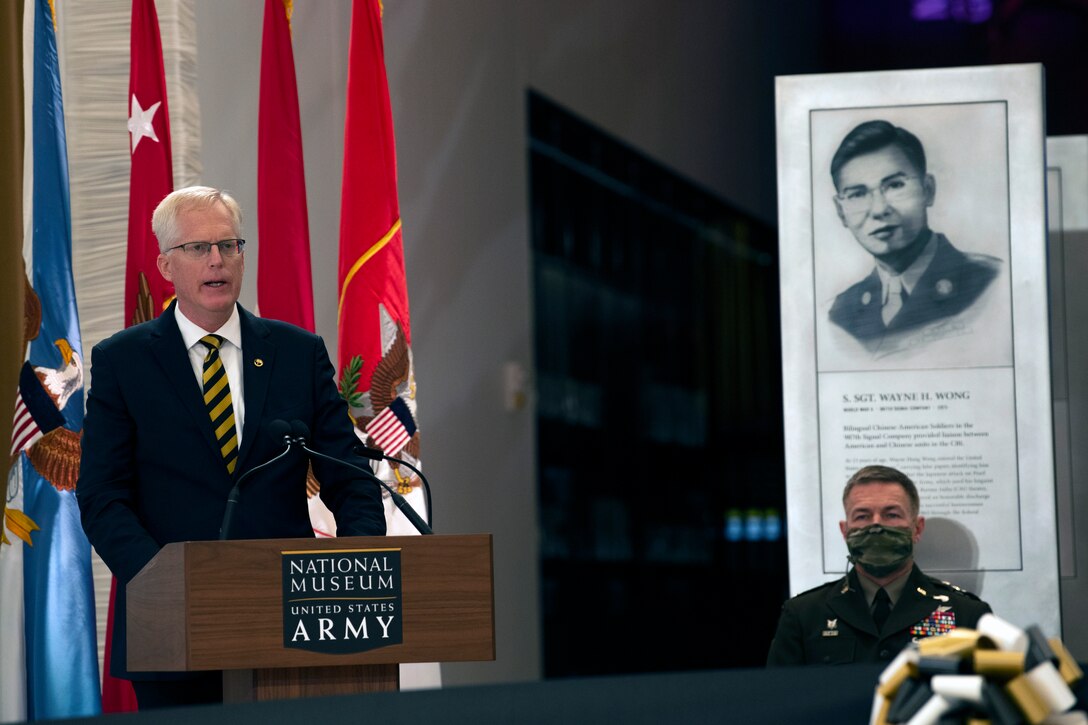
<point x="867" y="321"/>
<point x="925" y="302"/>
<point x="258" y="356"/>
<point x="913" y="606"/>
<point x="169" y="350"/>
<point x="848" y="601"/>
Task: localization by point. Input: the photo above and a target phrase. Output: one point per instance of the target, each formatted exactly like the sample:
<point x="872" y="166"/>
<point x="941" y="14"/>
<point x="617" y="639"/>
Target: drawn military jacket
<point x="952" y="282"/>
<point x="832" y="624"/>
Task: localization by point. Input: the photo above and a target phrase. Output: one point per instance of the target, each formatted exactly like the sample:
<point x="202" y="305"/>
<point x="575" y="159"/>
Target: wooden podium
<point x="219" y="605"/>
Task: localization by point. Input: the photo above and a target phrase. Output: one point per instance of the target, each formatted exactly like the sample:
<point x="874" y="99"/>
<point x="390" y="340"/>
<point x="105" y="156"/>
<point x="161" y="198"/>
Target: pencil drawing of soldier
<point x="919" y="281"/>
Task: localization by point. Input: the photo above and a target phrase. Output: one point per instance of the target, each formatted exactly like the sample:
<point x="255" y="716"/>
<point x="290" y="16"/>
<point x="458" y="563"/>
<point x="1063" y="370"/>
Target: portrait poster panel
<point x="1067" y="222"/>
<point x="914" y="320"/>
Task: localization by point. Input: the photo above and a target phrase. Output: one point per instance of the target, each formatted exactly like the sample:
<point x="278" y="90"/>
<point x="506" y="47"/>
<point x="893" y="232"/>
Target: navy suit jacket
<point x="151" y="472"/>
<point x="952" y="283"/>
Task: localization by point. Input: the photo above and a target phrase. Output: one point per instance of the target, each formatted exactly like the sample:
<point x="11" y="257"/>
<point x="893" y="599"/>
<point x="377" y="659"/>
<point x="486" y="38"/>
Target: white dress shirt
<point x="230" y="352"/>
<point x="906" y="281"/>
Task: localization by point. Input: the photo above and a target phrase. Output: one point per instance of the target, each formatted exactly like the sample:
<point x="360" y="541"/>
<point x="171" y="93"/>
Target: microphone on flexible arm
<point x="300" y="432"/>
<point x="376" y="455"/>
<point x="279" y="430"/>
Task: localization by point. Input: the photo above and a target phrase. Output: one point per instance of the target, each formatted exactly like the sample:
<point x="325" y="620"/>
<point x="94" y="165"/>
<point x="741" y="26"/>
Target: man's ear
<point x="163" y="263"/>
<point x="838" y="209"/>
<point x="929" y="186"/>
<point x="843" y="529"/>
<point x="919" y="527"/>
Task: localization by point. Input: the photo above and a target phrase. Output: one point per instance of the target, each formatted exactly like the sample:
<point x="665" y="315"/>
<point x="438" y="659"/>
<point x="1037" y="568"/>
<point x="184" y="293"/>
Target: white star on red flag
<point x="139" y="123"/>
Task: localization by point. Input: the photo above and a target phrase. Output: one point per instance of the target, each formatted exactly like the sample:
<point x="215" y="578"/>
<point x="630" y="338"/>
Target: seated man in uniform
<point x="885" y="601"/>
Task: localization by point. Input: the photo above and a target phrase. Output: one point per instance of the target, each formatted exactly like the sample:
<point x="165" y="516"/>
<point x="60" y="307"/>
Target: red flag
<point x="152" y="177"/>
<point x="284" y="280"/>
<point x="117" y="694"/>
<point x="374" y="332"/>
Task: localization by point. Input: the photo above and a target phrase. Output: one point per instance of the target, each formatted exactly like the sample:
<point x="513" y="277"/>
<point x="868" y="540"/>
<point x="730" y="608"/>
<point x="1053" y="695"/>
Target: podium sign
<point x="225" y="605"/>
<point x="341" y="601"/>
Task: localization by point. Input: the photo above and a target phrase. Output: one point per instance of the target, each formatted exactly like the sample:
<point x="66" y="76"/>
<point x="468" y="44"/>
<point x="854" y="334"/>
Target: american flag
<point x="35" y="412"/>
<point x="26" y="432"/>
<point x="393" y="427"/>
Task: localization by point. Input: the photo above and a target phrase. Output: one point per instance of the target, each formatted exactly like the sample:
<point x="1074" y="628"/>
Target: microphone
<point x="278" y="429"/>
<point x="299" y="434"/>
<point x="376" y="455"/>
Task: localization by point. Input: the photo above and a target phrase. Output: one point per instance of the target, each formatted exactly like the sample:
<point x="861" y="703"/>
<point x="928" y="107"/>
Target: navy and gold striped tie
<point x="217" y="399"/>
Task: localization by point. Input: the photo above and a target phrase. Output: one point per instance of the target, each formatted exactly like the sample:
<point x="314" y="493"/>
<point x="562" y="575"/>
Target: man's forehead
<point x="877" y="495"/>
<point x="194" y="209"/>
<point x="871" y="168"/>
<point x="206" y="215"/>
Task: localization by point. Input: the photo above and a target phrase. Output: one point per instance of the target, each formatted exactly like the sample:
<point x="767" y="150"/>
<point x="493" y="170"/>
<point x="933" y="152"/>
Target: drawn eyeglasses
<point x="856" y="200"/>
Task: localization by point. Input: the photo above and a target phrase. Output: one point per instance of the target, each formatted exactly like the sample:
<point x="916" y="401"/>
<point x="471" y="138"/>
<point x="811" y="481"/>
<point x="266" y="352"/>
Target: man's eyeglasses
<point x="858" y="199"/>
<point x="198" y="250"/>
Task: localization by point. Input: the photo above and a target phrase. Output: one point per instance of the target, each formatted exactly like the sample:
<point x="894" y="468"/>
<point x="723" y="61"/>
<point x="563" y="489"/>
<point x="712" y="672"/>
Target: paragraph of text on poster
<point x="950" y="431"/>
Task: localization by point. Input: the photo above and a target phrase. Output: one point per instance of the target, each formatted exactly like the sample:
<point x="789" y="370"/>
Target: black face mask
<point x="880" y="550"/>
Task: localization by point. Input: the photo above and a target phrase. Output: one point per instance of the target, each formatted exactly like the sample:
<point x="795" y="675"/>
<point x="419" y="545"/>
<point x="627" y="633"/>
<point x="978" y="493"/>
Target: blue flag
<point x="61" y="647"/>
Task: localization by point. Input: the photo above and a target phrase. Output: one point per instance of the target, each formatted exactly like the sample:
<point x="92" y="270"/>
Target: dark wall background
<point x="862" y="35"/>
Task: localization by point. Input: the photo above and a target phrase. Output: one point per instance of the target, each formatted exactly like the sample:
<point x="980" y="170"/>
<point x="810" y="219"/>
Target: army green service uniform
<point x="832" y="624"/>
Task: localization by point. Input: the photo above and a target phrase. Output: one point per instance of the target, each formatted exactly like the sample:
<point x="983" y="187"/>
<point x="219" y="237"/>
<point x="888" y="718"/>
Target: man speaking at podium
<point x="885" y="601"/>
<point x="180" y="407"/>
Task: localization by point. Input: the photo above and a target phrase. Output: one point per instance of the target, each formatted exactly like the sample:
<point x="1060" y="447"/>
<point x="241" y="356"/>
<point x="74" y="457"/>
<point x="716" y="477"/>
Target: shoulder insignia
<point x="958" y="590"/>
<point x="821" y="587"/>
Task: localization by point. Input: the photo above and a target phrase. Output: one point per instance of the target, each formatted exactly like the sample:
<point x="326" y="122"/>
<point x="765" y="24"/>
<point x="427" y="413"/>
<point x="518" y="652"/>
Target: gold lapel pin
<point x="258" y="362"/>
